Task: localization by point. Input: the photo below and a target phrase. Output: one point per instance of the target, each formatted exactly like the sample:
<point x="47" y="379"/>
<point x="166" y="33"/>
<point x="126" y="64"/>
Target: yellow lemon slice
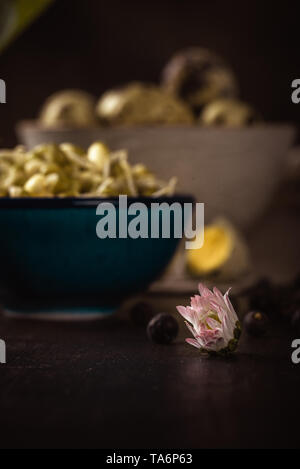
<point x="216" y="250"/>
<point x="224" y="254"/>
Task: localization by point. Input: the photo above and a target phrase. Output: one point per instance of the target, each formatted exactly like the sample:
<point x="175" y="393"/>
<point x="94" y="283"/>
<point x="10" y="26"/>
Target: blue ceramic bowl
<point x="52" y="264"/>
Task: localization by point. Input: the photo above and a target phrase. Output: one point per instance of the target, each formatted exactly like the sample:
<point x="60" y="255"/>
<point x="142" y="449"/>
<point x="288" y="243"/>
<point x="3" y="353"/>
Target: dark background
<point x="95" y="45"/>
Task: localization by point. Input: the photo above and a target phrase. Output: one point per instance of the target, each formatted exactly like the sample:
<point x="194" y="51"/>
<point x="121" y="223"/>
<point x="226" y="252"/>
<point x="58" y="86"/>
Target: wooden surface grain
<point x="105" y="385"/>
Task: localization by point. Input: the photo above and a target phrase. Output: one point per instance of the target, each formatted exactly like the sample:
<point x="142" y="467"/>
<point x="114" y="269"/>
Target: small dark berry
<point x="296" y="321"/>
<point x="141" y="313"/>
<point x="280" y="300"/>
<point x="261" y="296"/>
<point x="162" y="329"/>
<point x="256" y="323"/>
<point x="262" y="285"/>
<point x="291" y="303"/>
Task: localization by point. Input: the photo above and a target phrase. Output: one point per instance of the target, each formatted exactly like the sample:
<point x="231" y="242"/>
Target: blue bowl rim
<point x="77" y="202"/>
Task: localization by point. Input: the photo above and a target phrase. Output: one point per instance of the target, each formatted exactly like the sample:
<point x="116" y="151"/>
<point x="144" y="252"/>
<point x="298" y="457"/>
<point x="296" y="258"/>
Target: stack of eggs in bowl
<point x="193" y="124"/>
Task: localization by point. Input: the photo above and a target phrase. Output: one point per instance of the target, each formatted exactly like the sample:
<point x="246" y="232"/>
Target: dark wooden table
<point x="104" y="384"/>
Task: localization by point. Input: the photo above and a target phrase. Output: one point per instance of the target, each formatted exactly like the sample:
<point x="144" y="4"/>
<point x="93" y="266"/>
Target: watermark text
<point x="2" y="352"/>
<point x="2" y="92"/>
<point x="296" y="353"/>
<point x="157" y="220"/>
<point x="296" y="93"/>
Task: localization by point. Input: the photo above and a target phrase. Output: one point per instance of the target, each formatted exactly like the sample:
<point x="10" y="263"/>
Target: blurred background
<point x="95" y="45"/>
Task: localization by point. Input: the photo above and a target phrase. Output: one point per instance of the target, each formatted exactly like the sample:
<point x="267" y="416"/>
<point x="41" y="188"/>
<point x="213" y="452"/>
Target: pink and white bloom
<point x="212" y="320"/>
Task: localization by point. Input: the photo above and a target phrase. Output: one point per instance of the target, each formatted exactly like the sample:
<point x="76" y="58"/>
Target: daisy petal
<point x="204" y="291"/>
<point x="229" y="304"/>
<point x="190" y="328"/>
<point x="213" y="323"/>
<point x="193" y="342"/>
<point x="185" y="312"/>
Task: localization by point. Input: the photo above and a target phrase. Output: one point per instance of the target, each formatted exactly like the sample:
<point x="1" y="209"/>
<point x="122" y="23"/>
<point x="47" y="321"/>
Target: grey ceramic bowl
<point x="233" y="171"/>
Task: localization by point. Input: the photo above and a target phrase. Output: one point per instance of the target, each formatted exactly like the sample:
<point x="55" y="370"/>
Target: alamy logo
<point x="296" y="93"/>
<point x="2" y="352"/>
<point x="2" y="92"/>
<point x="164" y="220"/>
<point x="296" y="353"/>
